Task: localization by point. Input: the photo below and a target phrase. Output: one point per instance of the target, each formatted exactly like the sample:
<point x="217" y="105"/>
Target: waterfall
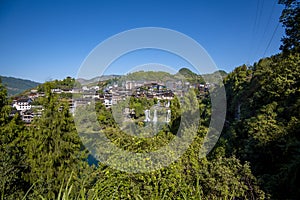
<point x="168" y="104"/>
<point x="155" y="116"/>
<point x="147" y="116"/>
<point x="168" y="117"/>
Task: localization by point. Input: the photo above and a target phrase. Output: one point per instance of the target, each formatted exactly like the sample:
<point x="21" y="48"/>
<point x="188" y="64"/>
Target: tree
<point x="267" y="132"/>
<point x="290" y="19"/>
<point x="54" y="150"/>
<point x="11" y="151"/>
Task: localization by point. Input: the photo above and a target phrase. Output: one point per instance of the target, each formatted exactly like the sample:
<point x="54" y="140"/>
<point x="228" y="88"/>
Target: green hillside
<point x="122" y="152"/>
<point x="16" y="85"/>
<point x="214" y="77"/>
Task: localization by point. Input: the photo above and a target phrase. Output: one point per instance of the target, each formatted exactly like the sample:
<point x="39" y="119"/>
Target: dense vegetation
<point x="47" y="160"/>
<point x="263" y="113"/>
<point x="257" y="156"/>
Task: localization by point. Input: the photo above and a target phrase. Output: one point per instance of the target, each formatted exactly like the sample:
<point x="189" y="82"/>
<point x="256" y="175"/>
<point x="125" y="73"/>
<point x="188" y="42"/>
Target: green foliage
<point x="3" y="96"/>
<point x="189" y="76"/>
<point x="257" y="156"/>
<point x="140" y="104"/>
<point x="290" y="19"/>
<point x="188" y="178"/>
<point x="182" y="74"/>
<point x="53" y="149"/>
<point x="187" y="73"/>
<point x="11" y="151"/>
<point x="148" y="76"/>
<point x="236" y="83"/>
<point x="66" y="84"/>
<point x="214" y="77"/>
<point x="263" y="113"/>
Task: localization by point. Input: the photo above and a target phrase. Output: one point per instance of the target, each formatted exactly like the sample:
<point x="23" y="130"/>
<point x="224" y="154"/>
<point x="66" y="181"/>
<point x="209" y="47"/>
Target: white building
<point x="56" y="90"/>
<point x="27" y="117"/>
<point x="107" y="103"/>
<point x="22" y="104"/>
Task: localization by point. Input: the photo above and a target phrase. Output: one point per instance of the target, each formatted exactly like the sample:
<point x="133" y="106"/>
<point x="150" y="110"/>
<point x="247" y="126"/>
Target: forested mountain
<point x="263" y="121"/>
<point x="257" y="155"/>
<point x="16" y="85"/>
<point x="148" y="76"/>
<point x="159" y="76"/>
<point x="83" y="81"/>
<point x="214" y="77"/>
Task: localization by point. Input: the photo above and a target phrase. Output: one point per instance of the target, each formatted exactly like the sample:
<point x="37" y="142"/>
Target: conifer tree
<point x="53" y="149"/>
<point x="11" y="151"/>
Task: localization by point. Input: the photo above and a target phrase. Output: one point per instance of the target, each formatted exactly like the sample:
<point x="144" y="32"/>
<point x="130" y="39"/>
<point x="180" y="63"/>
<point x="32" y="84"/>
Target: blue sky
<point x="43" y="40"/>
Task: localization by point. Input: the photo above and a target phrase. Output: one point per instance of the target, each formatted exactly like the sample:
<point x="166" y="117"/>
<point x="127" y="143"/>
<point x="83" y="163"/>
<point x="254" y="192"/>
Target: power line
<point x="260" y="13"/>
<point x="270" y="17"/>
<point x="271" y="39"/>
<point x="266" y="27"/>
<point x="252" y="47"/>
<point x="256" y="16"/>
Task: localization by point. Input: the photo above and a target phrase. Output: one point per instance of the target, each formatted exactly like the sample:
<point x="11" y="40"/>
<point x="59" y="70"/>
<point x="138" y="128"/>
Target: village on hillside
<point x="109" y="95"/>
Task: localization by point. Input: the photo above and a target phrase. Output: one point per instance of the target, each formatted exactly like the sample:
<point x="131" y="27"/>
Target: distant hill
<point x="187" y="73"/>
<point x="214" y="77"/>
<point x="16" y="85"/>
<point x="158" y="76"/>
<point x="83" y="81"/>
<point x="147" y="76"/>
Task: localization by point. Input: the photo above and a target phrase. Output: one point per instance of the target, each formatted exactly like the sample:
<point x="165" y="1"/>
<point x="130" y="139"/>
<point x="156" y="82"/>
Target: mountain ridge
<point x="17" y="85"/>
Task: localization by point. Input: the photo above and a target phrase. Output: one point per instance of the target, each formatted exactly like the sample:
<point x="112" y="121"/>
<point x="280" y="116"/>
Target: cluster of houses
<point x="109" y="95"/>
<point x="149" y="89"/>
<point x="114" y="93"/>
<point x="26" y="110"/>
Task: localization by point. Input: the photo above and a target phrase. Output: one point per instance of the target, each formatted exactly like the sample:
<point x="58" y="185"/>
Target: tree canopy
<point x="290" y="19"/>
